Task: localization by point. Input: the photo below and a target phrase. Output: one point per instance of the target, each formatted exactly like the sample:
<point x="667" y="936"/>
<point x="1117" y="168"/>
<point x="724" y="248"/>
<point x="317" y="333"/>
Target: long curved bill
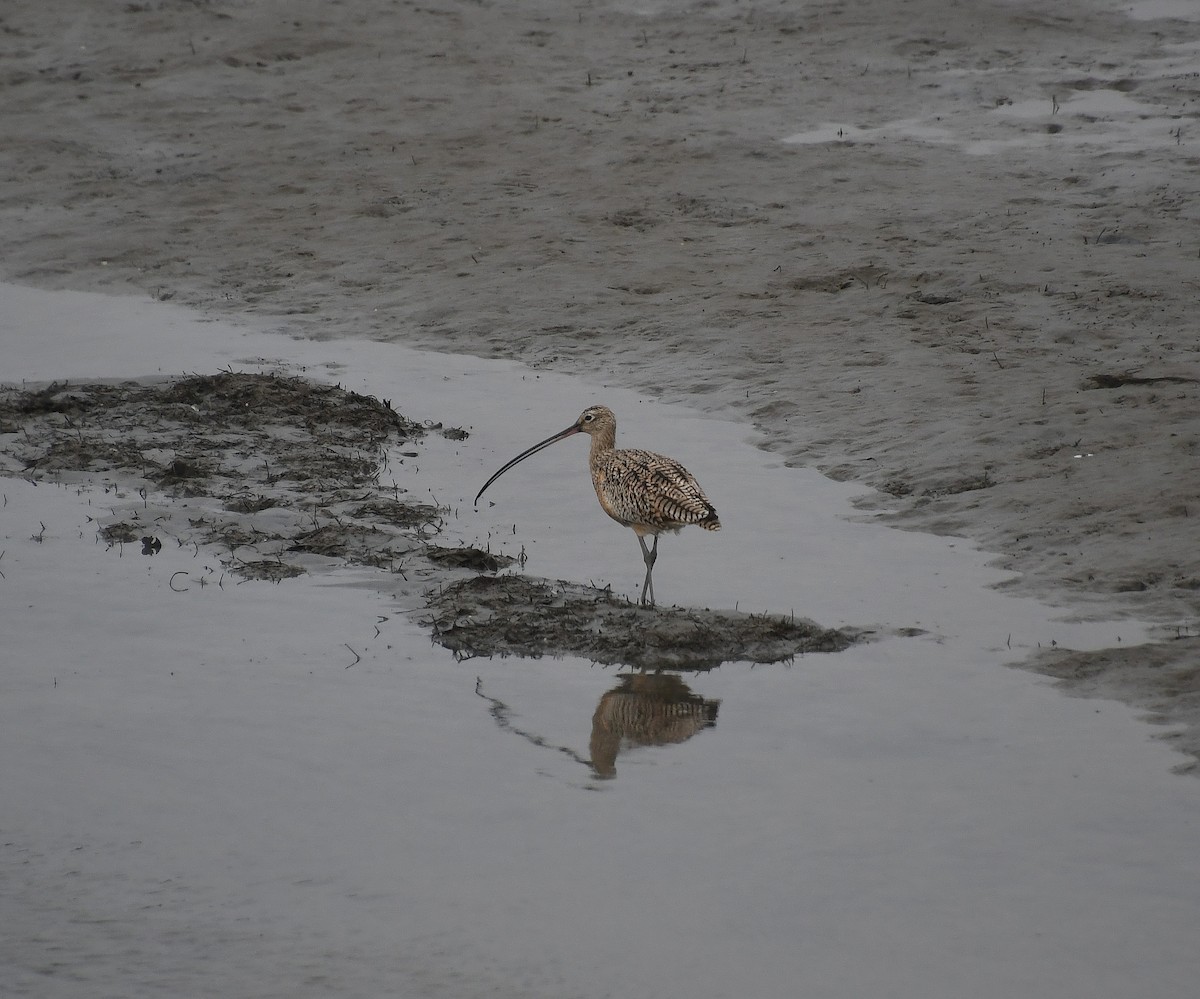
<point x="572" y="429"/>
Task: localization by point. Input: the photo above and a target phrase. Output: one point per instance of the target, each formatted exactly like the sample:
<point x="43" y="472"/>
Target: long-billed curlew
<point x="648" y="492"/>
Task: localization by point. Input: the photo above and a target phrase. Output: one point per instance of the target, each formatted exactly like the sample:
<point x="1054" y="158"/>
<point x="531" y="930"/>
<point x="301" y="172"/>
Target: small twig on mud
<point x="997" y="359"/>
<point x="171" y="582"/>
<point x="357" y="657"/>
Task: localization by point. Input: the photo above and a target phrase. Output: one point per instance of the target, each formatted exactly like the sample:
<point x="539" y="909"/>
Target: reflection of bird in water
<point x="655" y="709"/>
<point x="648" y="492"/>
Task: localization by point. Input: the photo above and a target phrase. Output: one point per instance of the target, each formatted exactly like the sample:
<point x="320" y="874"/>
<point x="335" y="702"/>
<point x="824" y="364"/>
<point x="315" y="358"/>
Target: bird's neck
<point x="603" y="440"/>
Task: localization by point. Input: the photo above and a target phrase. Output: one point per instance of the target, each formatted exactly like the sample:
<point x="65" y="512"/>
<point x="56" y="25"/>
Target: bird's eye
<point x="588" y="417"/>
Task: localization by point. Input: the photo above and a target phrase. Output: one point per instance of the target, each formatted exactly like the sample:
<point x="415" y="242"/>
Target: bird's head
<point x="596" y="420"/>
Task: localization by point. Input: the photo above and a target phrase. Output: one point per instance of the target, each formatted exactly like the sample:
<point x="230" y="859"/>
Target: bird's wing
<point x="663" y="488"/>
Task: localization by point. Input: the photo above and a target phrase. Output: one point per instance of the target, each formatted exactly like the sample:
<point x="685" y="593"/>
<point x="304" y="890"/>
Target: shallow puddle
<point x="288" y="789"/>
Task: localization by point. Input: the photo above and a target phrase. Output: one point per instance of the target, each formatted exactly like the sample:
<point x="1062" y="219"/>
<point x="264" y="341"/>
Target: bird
<point x="646" y="709"/>
<point x="647" y="492"/>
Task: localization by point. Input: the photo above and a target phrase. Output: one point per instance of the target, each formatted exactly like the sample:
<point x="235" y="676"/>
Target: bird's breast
<point x="610" y="498"/>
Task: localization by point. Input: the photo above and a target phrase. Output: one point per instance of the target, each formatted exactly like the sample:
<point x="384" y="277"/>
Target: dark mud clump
<point x="239" y="400"/>
<point x="516" y="615"/>
<point x="280" y="473"/>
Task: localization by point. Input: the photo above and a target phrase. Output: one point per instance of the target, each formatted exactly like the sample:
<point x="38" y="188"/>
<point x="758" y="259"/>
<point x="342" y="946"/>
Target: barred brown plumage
<point x="655" y="709"/>
<point x="647" y="492"/>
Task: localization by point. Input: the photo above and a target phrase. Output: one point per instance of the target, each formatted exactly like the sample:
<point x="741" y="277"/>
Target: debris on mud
<point x="119" y="533"/>
<point x="272" y="570"/>
<point x="516" y="615"/>
<point x="272" y="469"/>
<point x="468" y="558"/>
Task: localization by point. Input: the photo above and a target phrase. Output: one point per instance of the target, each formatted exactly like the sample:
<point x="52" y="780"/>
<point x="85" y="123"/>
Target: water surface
<point x="289" y="790"/>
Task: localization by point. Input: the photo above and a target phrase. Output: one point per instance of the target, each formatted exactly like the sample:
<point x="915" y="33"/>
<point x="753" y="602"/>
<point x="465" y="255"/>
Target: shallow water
<point x="289" y="790"/>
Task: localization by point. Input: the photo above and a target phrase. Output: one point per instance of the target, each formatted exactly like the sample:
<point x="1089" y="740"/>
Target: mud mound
<point x="240" y="399"/>
<point x="516" y="615"/>
<point x="280" y="473"/>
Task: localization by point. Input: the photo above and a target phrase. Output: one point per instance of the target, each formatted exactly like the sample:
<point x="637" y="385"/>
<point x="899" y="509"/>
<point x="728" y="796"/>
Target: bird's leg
<point x="648" y="556"/>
